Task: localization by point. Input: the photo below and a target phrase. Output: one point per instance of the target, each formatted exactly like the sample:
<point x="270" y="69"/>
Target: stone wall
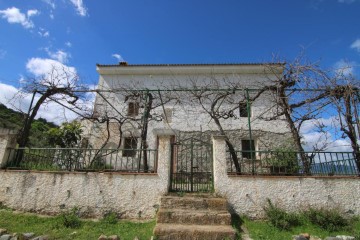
<point x="138" y="195"/>
<point x="7" y="141"/>
<point x="129" y="195"/>
<point x="247" y="195"/>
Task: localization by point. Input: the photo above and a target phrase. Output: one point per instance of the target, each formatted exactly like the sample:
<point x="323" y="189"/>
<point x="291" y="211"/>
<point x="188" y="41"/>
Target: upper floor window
<point x="133" y="109"/>
<point x="167" y="115"/>
<point x="244" y="111"/>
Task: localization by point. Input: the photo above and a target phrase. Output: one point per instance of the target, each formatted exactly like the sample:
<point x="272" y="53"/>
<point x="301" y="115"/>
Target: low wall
<point x="138" y="195"/>
<point x="247" y="195"/>
<point x="94" y="193"/>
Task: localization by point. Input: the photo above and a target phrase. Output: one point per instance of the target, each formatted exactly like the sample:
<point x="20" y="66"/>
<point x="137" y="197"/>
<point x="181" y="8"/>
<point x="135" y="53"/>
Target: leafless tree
<point x="59" y="85"/>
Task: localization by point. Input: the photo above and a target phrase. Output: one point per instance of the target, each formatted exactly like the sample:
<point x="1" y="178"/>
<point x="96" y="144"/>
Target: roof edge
<point x="190" y="64"/>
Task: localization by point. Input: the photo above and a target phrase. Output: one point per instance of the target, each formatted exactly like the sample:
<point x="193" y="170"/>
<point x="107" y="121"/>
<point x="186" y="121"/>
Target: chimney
<point x="123" y="63"/>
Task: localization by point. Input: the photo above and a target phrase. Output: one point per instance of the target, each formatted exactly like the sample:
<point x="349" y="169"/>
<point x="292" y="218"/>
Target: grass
<point x="263" y="230"/>
<point x="53" y="227"/>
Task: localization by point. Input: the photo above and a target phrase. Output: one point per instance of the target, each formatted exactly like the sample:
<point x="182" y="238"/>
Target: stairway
<point x="193" y="216"/>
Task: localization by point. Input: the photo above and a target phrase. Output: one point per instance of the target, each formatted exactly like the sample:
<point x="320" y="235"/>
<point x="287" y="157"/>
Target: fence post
<point x="7" y="142"/>
<point x="164" y="158"/>
<point x="219" y="163"/>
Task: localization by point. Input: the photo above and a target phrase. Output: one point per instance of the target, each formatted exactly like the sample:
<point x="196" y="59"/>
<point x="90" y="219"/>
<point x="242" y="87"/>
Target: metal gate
<point x="191" y="166"/>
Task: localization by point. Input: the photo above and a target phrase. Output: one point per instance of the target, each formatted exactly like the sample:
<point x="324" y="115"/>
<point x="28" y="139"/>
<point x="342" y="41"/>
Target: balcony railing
<point x="79" y="159"/>
<point x="292" y="163"/>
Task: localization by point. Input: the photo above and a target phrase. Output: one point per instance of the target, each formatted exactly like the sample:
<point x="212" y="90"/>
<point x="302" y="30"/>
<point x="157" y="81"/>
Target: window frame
<point x="243" y="110"/>
<point x="247" y="154"/>
<point x="133" y="108"/>
<point x="129" y="149"/>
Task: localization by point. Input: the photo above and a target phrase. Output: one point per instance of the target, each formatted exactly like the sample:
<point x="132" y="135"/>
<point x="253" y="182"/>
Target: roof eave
<point x="191" y="69"/>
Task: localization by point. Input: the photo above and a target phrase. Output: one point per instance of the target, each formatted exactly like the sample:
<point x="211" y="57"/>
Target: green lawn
<point x="53" y="227"/>
<point x="262" y="230"/>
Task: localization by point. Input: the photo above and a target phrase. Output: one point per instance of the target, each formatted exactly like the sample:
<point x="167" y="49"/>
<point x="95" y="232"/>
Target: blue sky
<point x="82" y="33"/>
<point x="77" y="34"/>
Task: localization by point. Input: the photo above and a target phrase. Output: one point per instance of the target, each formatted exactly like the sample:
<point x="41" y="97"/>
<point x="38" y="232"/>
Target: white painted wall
<point x="7" y="141"/>
<point x="186" y="117"/>
<point x="132" y="195"/>
<point x="247" y="195"/>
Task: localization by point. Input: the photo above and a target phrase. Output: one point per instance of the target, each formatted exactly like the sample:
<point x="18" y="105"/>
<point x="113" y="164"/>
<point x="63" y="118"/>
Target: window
<point x="244" y="110"/>
<point x="133" y="109"/>
<point x="247" y="146"/>
<point x="130" y="145"/>
<point x="167" y="115"/>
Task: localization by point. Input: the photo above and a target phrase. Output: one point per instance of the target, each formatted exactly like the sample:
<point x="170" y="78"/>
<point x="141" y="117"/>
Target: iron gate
<point x="191" y="166"/>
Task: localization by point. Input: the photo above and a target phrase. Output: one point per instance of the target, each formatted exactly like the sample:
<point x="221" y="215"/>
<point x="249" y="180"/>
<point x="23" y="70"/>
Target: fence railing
<point x="79" y="159"/>
<point x="292" y="163"/>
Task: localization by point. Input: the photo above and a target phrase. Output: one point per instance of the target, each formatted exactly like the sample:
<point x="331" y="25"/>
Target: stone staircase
<point x="193" y="216"/>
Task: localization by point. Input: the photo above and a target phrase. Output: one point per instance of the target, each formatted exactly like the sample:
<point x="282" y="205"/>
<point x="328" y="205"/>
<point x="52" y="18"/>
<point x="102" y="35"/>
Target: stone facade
<point x="183" y="116"/>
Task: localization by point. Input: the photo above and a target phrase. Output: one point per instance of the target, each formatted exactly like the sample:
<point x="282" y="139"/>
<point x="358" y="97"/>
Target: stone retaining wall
<point x="248" y="194"/>
<point x="129" y="195"/>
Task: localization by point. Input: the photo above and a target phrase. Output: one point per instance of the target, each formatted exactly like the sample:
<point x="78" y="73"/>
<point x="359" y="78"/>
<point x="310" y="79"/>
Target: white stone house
<point x="181" y="117"/>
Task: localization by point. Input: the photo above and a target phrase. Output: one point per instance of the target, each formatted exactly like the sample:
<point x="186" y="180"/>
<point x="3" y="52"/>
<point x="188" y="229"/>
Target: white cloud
<point x="313" y="124"/>
<point x="346" y="1"/>
<point x="59" y="55"/>
<point x="80" y="7"/>
<point x="43" y="32"/>
<point x="323" y="140"/>
<point x="356" y="45"/>
<point x="345" y="68"/>
<point x="32" y="12"/>
<point x="51" y="111"/>
<point x="51" y="3"/>
<point x="118" y="57"/>
<point x="13" y="15"/>
<point x="68" y="44"/>
<point x="48" y="68"/>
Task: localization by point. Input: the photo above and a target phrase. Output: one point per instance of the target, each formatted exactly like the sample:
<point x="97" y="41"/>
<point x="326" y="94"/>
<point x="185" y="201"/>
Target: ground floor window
<point x="246" y="147"/>
<point x="130" y="146"/>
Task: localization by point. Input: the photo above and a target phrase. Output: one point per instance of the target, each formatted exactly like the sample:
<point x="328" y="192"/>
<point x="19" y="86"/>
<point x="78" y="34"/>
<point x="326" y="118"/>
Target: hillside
<point x="14" y="120"/>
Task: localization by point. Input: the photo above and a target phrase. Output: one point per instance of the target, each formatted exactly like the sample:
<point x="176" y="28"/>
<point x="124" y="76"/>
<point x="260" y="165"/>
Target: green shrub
<point x="70" y="219"/>
<point x="328" y="219"/>
<point x="279" y="218"/>
<point x="110" y="218"/>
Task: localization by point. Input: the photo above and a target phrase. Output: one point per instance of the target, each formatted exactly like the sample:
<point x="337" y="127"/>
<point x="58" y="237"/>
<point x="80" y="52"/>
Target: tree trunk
<point x="294" y="131"/>
<point x="351" y="132"/>
<point x="144" y="146"/>
<point x="233" y="154"/>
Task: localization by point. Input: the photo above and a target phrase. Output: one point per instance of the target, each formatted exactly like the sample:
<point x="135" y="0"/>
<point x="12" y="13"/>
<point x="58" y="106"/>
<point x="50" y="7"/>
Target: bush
<point x="279" y="218"/>
<point x="110" y="218"/>
<point x="70" y="219"/>
<point x="328" y="219"/>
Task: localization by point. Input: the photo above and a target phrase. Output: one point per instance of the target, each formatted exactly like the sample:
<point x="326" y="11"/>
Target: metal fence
<point x="78" y="159"/>
<point x="291" y="163"/>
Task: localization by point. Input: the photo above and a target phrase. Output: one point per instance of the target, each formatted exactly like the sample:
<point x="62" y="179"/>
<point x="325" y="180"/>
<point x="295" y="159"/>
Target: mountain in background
<point x="14" y="120"/>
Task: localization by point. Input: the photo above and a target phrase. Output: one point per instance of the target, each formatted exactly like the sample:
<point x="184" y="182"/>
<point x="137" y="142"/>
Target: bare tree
<point x="345" y="98"/>
<point x="299" y="99"/>
<point x="59" y="85"/>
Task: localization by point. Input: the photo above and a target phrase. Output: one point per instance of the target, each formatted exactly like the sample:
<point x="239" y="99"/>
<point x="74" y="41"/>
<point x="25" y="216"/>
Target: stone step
<point x="196" y="203"/>
<point x="164" y="231"/>
<point x="193" y="217"/>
